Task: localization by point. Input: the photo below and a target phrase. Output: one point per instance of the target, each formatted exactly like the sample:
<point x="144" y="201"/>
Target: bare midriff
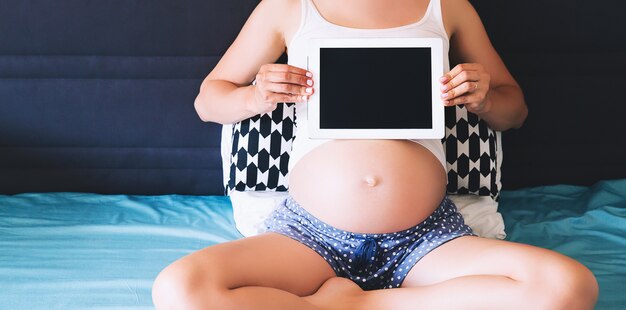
<point x="369" y="186"/>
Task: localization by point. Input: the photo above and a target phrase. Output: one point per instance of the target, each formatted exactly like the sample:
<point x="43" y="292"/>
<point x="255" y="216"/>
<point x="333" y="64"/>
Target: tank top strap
<point x="436" y="9"/>
<point x="436" y="14"/>
<point x="305" y="21"/>
<point x="310" y="15"/>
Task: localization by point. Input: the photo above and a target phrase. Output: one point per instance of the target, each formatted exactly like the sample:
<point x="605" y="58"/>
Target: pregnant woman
<point x="367" y="224"/>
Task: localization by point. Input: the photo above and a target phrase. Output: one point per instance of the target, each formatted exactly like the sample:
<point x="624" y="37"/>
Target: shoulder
<point x="284" y="15"/>
<point x="459" y="14"/>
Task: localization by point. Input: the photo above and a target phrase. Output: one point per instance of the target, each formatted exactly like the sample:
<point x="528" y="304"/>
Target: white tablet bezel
<point x="313" y="106"/>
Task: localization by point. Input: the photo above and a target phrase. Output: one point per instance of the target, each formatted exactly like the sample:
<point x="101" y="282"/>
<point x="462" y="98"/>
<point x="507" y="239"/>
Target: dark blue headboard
<point x="97" y="96"/>
<point x="569" y="58"/>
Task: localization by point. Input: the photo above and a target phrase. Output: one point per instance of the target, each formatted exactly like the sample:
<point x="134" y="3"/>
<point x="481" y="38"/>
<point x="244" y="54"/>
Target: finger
<point x="289" y="98"/>
<point x="287" y="68"/>
<point x="288" y="77"/>
<point x="465" y="87"/>
<point x="460" y="79"/>
<point x="290" y="89"/>
<point x="458" y="69"/>
<point x="465" y="99"/>
<point x="270" y="98"/>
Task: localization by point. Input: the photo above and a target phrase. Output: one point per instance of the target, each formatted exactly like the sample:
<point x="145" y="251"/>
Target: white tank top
<point x="313" y="25"/>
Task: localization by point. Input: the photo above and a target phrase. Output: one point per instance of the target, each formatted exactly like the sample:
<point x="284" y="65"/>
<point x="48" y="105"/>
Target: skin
<point x="271" y="271"/>
<point x="369" y="186"/>
<point x="225" y="96"/>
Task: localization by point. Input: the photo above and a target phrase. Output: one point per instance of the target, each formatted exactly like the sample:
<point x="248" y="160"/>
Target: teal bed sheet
<point x="90" y="251"/>
<point x="585" y="223"/>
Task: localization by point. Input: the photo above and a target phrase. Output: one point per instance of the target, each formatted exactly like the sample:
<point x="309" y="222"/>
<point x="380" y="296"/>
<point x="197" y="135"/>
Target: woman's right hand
<point x="280" y="83"/>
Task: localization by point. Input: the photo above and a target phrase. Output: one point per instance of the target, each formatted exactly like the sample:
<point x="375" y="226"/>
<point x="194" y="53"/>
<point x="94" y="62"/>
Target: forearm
<point x="506" y="108"/>
<point x="224" y="102"/>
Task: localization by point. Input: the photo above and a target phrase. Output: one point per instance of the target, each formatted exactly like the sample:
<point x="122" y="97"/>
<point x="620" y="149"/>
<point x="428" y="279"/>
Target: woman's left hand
<point x="467" y="84"/>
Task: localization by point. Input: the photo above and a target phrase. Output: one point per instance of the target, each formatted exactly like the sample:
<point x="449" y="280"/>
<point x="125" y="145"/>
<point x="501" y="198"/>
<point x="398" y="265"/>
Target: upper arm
<point x="470" y="43"/>
<point x="259" y="42"/>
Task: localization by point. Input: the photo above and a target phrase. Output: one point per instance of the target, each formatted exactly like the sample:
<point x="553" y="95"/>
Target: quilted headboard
<point x="97" y="96"/>
<point x="569" y="58"/>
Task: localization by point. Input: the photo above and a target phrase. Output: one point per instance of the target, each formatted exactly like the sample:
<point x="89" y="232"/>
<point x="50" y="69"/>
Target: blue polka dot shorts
<point x="373" y="261"/>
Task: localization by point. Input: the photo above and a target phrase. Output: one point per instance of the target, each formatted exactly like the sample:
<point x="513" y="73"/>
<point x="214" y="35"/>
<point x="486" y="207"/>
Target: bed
<point x="70" y="250"/>
<point x="107" y="175"/>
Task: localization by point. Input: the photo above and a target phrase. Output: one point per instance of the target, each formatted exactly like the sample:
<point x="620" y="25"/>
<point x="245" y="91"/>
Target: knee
<point x="181" y="286"/>
<point x="568" y="284"/>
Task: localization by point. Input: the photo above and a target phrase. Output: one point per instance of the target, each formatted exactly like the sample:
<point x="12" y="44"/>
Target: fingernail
<point x="309" y="82"/>
<point x="446" y="102"/>
<point x="444" y="87"/>
<point x="309" y="74"/>
<point x="443" y="78"/>
<point x="309" y="90"/>
<point x="304" y="98"/>
<point x="444" y="95"/>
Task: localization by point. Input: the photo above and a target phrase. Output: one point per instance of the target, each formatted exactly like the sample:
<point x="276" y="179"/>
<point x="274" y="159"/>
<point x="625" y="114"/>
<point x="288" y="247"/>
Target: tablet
<point x="376" y="88"/>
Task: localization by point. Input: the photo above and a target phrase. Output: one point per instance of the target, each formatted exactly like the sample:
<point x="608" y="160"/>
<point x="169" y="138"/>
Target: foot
<point x="337" y="293"/>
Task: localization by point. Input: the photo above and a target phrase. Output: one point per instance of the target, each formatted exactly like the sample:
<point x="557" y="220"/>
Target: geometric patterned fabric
<point x="260" y="150"/>
<point x="471" y="154"/>
<point x="261" y="145"/>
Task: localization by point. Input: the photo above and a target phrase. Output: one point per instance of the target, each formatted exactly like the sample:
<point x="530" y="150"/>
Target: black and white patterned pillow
<point x="259" y="153"/>
<point x="471" y="154"/>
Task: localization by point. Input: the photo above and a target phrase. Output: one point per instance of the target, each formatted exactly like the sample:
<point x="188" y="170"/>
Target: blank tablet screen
<point x="375" y="88"/>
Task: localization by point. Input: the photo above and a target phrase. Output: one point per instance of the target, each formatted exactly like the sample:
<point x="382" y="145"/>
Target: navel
<point x="371" y="181"/>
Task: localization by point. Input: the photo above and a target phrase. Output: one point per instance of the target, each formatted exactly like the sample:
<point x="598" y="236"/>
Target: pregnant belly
<point x="369" y="186"/>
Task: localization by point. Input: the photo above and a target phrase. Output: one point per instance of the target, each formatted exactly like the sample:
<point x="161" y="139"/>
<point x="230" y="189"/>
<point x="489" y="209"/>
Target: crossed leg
<point x="476" y="273"/>
<point x="268" y="271"/>
<point x="272" y="271"/>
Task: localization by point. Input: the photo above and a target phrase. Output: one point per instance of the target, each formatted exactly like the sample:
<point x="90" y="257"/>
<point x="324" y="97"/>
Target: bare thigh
<point x="268" y="260"/>
<point x="471" y="255"/>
